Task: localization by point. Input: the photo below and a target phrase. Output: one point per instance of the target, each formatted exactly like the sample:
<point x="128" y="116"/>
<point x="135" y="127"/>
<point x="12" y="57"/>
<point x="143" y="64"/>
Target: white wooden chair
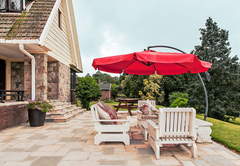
<point x="141" y="119"/>
<point x="175" y="126"/>
<point x="110" y="132"/>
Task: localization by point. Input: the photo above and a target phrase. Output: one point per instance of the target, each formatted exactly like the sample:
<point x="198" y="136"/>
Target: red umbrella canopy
<point x="147" y="62"/>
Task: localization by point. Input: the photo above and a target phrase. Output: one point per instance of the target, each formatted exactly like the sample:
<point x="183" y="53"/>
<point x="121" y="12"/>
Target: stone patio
<point x="71" y="144"/>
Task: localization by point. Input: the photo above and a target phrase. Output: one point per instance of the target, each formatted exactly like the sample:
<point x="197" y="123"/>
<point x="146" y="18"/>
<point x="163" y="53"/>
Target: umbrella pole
<point x="204" y="88"/>
<point x="206" y="97"/>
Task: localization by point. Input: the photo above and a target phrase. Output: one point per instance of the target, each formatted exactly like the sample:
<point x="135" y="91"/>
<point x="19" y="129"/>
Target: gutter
<point x="21" y="47"/>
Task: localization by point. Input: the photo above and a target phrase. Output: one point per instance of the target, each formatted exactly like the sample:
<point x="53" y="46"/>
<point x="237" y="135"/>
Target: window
<point x="11" y="5"/>
<point x="59" y="19"/>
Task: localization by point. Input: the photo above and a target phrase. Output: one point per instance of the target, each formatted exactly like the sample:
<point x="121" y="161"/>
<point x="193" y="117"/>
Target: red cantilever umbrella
<point x="147" y="62"/>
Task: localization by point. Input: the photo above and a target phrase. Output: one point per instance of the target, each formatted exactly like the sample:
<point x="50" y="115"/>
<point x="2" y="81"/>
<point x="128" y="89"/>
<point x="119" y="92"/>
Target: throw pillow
<point x="108" y="112"/>
<point x="110" y="109"/>
<point x="144" y="109"/>
<point x="103" y="115"/>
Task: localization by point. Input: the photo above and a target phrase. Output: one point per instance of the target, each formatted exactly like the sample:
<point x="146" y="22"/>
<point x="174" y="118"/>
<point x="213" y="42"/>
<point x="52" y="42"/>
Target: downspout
<point x="21" y="47"/>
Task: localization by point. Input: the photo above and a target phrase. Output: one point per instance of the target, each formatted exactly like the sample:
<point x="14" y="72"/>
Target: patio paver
<point x="72" y="143"/>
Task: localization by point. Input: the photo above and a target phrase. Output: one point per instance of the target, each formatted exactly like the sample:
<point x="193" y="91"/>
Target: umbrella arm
<point x="206" y="97"/>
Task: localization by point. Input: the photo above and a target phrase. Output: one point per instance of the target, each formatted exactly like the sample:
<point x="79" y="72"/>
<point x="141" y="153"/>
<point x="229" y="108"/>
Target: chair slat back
<point x="177" y="122"/>
<point x="142" y="102"/>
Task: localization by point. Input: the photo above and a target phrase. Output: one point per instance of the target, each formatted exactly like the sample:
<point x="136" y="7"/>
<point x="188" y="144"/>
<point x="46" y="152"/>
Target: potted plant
<point x="37" y="111"/>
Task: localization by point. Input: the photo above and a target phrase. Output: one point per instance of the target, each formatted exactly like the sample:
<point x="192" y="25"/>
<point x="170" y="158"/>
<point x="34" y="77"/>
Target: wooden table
<point x="129" y="106"/>
<point x="19" y="93"/>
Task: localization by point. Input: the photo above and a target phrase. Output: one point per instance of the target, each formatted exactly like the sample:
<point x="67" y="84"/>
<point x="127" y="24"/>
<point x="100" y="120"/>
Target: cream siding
<point x="57" y="39"/>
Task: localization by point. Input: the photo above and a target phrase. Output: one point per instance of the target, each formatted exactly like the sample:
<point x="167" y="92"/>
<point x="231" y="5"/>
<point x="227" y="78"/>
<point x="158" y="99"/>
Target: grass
<point x="227" y="133"/>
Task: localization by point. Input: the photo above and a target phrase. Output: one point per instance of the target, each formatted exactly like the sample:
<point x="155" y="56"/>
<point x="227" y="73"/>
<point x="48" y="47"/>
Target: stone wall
<point x="53" y="80"/>
<point x="105" y="95"/>
<point x="17" y="76"/>
<point x="11" y="116"/>
<point x="64" y="82"/>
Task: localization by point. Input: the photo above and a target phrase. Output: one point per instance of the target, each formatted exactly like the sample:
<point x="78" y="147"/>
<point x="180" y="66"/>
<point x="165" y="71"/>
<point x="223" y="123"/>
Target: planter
<point x="36" y="117"/>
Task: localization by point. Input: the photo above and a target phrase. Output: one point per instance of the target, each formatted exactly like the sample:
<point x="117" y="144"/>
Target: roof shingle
<point x="28" y="25"/>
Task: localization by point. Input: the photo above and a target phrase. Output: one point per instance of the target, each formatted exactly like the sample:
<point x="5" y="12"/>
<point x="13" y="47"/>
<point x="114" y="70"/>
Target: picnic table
<point x="129" y="106"/>
<point x="18" y="93"/>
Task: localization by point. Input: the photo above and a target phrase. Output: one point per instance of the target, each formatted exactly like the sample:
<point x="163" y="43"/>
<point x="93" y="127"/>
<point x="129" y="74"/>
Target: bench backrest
<point x="177" y="122"/>
<point x="94" y="112"/>
<point x="142" y="102"/>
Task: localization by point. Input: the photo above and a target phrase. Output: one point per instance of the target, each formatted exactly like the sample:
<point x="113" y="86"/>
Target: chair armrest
<point x="153" y="130"/>
<point x="115" y="120"/>
<point x="154" y="125"/>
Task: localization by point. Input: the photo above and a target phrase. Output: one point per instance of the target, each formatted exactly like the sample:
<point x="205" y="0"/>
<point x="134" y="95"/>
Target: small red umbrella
<point x="147" y="62"/>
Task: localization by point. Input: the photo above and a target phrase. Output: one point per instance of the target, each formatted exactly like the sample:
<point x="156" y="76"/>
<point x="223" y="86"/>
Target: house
<point x="106" y="90"/>
<point x="39" y="48"/>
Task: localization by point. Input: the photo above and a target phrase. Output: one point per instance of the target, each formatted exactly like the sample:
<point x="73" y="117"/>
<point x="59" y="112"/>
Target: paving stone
<point x="76" y="149"/>
<point x="136" y="141"/>
<point x="9" y="139"/>
<point x="134" y="163"/>
<point x="138" y="136"/>
<point x="146" y="160"/>
<point x="33" y="148"/>
<point x="14" y="163"/>
<point x="200" y="162"/>
<point x="13" y="150"/>
<point x="113" y="162"/>
<point x="145" y="151"/>
<point x="47" y="160"/>
<point x="236" y="162"/>
<point x="38" y="136"/>
<point x="78" y="163"/>
<point x="187" y="163"/>
<point x="49" y="148"/>
<point x="69" y="139"/>
<point x="77" y="156"/>
<point x="31" y="158"/>
<point x="79" y="131"/>
<point x="226" y="155"/>
<point x="14" y="156"/>
<point x="108" y="151"/>
<point x="164" y="160"/>
<point x="216" y="160"/>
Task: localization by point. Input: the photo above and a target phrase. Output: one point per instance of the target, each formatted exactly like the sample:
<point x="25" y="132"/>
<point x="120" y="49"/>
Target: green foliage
<point x="105" y="77"/>
<point x="132" y="84"/>
<point x="223" y="89"/>
<point x="87" y="91"/>
<point x="152" y="88"/>
<point x="39" y="104"/>
<point x="176" y="95"/>
<point x="180" y="102"/>
<point x="114" y="93"/>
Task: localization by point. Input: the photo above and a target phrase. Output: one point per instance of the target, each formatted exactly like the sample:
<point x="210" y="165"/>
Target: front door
<point x="2" y="74"/>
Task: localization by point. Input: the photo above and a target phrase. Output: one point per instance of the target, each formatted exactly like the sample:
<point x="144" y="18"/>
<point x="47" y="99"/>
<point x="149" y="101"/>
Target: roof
<point x="28" y="25"/>
<point x="105" y="86"/>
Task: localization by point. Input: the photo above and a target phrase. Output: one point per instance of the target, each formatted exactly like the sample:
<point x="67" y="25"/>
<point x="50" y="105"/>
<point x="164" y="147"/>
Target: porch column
<point x="41" y="75"/>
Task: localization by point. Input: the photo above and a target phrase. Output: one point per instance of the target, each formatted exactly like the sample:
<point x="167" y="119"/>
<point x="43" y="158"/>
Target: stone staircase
<point x="63" y="112"/>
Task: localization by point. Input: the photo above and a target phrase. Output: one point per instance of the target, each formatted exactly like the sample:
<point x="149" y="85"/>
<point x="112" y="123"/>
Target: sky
<point x="115" y="27"/>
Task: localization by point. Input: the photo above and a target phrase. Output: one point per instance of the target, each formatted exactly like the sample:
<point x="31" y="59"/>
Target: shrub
<point x="87" y="91"/>
<point x="175" y="95"/>
<point x="179" y="102"/>
<point x="114" y="93"/>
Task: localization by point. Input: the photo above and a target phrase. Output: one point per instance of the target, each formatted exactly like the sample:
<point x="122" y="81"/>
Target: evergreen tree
<point x="223" y="89"/>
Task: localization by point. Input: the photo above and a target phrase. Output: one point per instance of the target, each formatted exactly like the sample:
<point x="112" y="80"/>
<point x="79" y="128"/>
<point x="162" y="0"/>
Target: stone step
<point x="64" y="118"/>
<point x="59" y="114"/>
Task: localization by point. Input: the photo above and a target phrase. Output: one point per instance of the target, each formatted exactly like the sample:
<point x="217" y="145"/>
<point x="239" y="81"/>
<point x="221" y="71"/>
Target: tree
<point x="105" y="77"/>
<point x="153" y="88"/>
<point x="223" y="89"/>
<point x="132" y="84"/>
<point x="87" y="91"/>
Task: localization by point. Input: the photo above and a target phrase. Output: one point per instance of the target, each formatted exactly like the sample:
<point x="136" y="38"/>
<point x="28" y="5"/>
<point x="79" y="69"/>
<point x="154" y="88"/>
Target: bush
<point x="175" y="95"/>
<point x="87" y="91"/>
<point x="179" y="102"/>
<point x="114" y="93"/>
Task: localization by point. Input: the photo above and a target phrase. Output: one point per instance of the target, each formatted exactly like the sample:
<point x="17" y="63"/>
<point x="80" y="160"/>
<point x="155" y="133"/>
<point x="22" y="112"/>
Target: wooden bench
<point x="18" y="93"/>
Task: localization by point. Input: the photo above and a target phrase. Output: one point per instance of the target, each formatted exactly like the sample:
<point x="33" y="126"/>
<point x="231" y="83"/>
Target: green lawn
<point x="225" y="132"/>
